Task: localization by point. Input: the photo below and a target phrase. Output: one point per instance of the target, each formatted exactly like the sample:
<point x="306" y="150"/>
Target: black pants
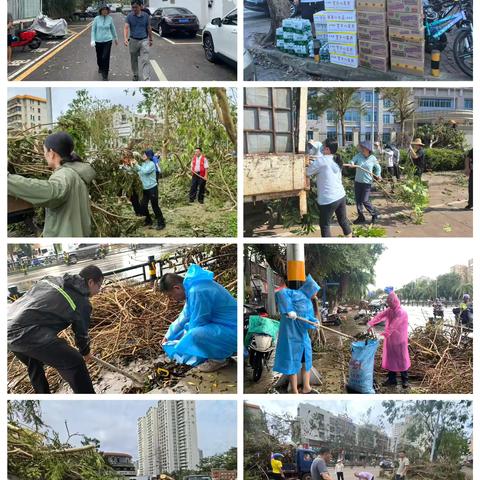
<point x="399" y="477"/>
<point x="326" y="212"/>
<point x="470" y="189"/>
<point x="392" y="377"/>
<point x="103" y="50"/>
<point x="62" y="357"/>
<point x="135" y="200"/>
<point x="197" y="187"/>
<point x="362" y="199"/>
<point x="339" y="475"/>
<point x="151" y="196"/>
<point x="419" y="169"/>
<point x="308" y="9"/>
<point x="394" y="171"/>
<point x="276" y="475"/>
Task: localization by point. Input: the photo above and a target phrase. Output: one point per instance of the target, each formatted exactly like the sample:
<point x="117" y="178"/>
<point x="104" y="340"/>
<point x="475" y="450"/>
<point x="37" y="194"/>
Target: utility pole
<point x="271" y="304"/>
<point x="49" y="107"/>
<point x="295" y="266"/>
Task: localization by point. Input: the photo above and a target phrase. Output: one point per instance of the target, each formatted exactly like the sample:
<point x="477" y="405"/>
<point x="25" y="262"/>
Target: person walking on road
<point x="319" y="469"/>
<point x="417" y="156"/>
<point x="148" y="176"/>
<point x="199" y="172"/>
<point x="331" y="196"/>
<point x="138" y="38"/>
<point x="367" y="169"/>
<point x="104" y="34"/>
<point x="469" y="174"/>
<point x="339" y="467"/>
<point x="52" y="305"/>
<point x="65" y="194"/>
<point x="403" y="463"/>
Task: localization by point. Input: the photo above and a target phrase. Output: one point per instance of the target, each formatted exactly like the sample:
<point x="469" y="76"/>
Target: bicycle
<point x="440" y="17"/>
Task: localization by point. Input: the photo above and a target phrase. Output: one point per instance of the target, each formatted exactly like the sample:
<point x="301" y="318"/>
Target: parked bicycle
<point x="443" y="16"/>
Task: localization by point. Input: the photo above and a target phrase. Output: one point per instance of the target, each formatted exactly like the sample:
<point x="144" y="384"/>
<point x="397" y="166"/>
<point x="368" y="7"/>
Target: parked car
<point x="249" y="72"/>
<point x="116" y="7"/>
<point x="175" y="19"/>
<point x="126" y="9"/>
<point x="220" y="39"/>
<point x="84" y="251"/>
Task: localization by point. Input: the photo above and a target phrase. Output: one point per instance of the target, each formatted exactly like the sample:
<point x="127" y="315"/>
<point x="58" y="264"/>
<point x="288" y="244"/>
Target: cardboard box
<point x="375" y="19"/>
<point x="404" y="34"/>
<point x="341" y="27"/>
<point x="344" y="60"/>
<point x="408" y="20"/>
<point x="405" y="6"/>
<point x="339" y="4"/>
<point x="343" y="49"/>
<point x="339" y="16"/>
<point x="346" y="38"/>
<point x="375" y="49"/>
<point x="372" y="34"/>
<point x="415" y="51"/>
<point x="407" y="65"/>
<point x="371" y="5"/>
<point x="374" y="63"/>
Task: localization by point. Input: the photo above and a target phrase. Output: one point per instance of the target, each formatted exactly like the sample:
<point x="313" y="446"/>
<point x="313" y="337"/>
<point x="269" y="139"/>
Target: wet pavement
<point x="175" y="58"/>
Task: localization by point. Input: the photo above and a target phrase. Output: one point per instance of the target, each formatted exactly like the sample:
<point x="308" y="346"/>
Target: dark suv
<point x="83" y="252"/>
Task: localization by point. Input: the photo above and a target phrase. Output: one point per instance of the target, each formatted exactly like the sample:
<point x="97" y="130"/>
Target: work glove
<point x="92" y="44"/>
<point x="292" y="315"/>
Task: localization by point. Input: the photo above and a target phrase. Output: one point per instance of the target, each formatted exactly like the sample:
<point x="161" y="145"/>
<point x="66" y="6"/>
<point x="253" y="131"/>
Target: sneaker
<point x="388" y="383"/>
<point x="212" y="365"/>
<point x="160" y="227"/>
<point x="135" y="78"/>
<point x="148" y="223"/>
<point x="105" y="77"/>
<point x="374" y="219"/>
<point x="359" y="221"/>
<point x="405" y="385"/>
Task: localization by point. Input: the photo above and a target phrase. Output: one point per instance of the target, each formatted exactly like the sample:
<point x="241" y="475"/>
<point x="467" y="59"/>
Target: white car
<point x="116" y="7"/>
<point x="220" y="39"/>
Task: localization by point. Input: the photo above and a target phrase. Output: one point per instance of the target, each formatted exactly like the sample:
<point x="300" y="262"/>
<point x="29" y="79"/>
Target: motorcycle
<point x="25" y="38"/>
<point x="438" y="311"/>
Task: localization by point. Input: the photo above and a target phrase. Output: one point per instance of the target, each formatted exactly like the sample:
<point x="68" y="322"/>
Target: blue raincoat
<point x="293" y="340"/>
<point x="206" y="329"/>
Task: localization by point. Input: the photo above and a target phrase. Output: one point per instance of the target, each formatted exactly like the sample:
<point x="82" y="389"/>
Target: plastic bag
<point x="360" y="368"/>
<point x="263" y="325"/>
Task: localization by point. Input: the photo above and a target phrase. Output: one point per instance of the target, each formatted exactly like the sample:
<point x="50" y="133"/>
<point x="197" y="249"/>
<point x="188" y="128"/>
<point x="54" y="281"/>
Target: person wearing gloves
<point x="367" y="168"/>
<point x="331" y="197"/>
<point x="33" y="322"/>
<point x="147" y="172"/>
<point x="65" y="194"/>
<point x="395" y="357"/>
<point x="277" y="465"/>
<point x="103" y="35"/>
<point x="205" y="333"/>
<point x="294" y="348"/>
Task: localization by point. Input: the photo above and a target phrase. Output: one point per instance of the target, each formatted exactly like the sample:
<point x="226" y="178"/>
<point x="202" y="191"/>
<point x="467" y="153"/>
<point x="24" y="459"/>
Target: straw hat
<point x="417" y="141"/>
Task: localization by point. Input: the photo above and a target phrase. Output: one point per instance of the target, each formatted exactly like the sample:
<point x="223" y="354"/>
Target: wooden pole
<point x="113" y="368"/>
<point x="319" y="325"/>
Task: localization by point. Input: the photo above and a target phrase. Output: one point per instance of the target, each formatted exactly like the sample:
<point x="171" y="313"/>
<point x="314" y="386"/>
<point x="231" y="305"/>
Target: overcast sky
<point x="409" y="259"/>
<point x="114" y="422"/>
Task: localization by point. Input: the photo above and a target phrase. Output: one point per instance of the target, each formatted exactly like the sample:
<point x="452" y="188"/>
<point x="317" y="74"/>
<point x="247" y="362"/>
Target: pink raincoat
<point x="395" y="356"/>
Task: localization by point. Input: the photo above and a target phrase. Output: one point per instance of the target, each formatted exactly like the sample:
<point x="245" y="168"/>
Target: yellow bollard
<point x="436" y="63"/>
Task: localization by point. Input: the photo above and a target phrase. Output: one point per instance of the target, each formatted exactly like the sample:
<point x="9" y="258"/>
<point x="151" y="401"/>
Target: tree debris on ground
<point x="435" y="471"/>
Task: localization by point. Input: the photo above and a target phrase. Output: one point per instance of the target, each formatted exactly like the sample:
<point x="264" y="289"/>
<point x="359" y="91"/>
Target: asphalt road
<point x="111" y="262"/>
<point x="174" y="58"/>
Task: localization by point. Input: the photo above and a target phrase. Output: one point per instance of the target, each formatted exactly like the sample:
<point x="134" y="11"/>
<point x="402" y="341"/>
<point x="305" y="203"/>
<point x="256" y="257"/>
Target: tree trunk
<point x="279" y="9"/>
<point x="342" y="124"/>
<point x="222" y="107"/>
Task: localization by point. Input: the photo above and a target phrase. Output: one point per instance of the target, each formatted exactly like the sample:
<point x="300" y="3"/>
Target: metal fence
<point x="24" y="9"/>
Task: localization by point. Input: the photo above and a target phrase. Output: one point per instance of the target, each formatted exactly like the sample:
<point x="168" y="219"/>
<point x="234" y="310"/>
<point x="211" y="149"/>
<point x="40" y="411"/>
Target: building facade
<point x="167" y="438"/>
<point x="26" y="112"/>
<point x="122" y="464"/>
<point x="372" y="120"/>
<point x="129" y="126"/>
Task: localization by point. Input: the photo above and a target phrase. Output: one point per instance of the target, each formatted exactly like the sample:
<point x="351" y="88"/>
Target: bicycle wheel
<point x="463" y="51"/>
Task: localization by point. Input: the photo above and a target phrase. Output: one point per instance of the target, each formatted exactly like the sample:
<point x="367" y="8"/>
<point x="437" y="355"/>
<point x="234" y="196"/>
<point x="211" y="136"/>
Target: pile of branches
<point x="109" y="191"/>
<point x="129" y="321"/>
<point x="31" y="455"/>
<point x="435" y="471"/>
<point x="442" y="359"/>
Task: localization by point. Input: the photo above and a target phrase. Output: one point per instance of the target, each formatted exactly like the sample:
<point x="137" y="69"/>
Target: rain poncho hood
<point x="50" y="306"/>
<point x="65" y="198"/>
<point x="206" y="329"/>
<point x="395" y="357"/>
<point x="294" y="344"/>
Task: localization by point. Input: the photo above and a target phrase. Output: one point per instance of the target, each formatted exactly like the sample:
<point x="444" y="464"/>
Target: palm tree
<point x="340" y="100"/>
<point x="402" y="105"/>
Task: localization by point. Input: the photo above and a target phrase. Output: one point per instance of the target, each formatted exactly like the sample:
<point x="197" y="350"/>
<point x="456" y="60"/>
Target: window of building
<point x="436" y="102"/>
<point x="468" y="104"/>
<point x="352" y="116"/>
<point x="368" y="97"/>
<point x="309" y="135"/>
<point x="311" y="116"/>
<point x="331" y="133"/>
<point x="349" y="136"/>
<point x="331" y="116"/>
<point x="386" y="137"/>
<point x="387" y="118"/>
<point x="387" y="104"/>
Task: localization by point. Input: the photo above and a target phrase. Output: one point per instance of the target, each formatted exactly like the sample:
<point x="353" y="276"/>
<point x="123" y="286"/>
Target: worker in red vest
<point x="199" y="176"/>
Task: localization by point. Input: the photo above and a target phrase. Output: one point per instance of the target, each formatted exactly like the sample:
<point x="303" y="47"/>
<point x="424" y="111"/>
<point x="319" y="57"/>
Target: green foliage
<point x="439" y="159"/>
<point x="441" y="135"/>
<point x="368" y="231"/>
<point x="59" y="8"/>
<point x="225" y="461"/>
<point x="452" y="446"/>
<point x="413" y="192"/>
<point x="25" y="411"/>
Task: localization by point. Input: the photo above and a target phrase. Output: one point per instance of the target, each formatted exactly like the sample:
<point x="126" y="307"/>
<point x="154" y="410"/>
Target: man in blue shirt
<point x="138" y="37"/>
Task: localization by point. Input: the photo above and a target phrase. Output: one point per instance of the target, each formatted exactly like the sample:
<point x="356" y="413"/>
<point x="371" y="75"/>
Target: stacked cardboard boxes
<point x="373" y="34"/>
<point x="407" y="36"/>
<point x="341" y="17"/>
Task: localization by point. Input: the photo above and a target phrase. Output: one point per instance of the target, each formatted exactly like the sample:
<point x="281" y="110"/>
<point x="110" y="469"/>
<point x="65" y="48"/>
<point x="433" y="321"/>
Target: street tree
<point x="442" y="134"/>
<point x="340" y="100"/>
<point x="279" y="10"/>
<point x="402" y="104"/>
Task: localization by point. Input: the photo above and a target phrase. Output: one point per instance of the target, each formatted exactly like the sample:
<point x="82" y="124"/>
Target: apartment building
<point x="26" y="111"/>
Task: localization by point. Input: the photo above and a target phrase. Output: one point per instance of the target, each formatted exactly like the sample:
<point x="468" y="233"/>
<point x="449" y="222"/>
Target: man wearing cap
<point x="417" y="156"/>
<point x="367" y="169"/>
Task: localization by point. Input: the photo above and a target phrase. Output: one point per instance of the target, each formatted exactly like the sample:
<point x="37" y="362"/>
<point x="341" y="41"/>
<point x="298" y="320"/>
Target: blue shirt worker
<point x="150" y="155"/>
<point x="294" y="348"/>
<point x="367" y="169"/>
<point x="205" y="333"/>
<point x="138" y="38"/>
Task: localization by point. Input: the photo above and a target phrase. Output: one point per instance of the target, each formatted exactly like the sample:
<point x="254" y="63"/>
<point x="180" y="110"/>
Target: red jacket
<point x="202" y="166"/>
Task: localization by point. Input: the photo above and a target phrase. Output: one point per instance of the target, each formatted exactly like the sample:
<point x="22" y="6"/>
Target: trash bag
<point x="49" y="27"/>
<point x="360" y="368"/>
<point x="263" y="325"/>
<point x="206" y="329"/>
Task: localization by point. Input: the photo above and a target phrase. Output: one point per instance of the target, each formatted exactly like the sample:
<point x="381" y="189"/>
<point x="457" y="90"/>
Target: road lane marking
<point x="176" y="43"/>
<point x="29" y="69"/>
<point x="156" y="67"/>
